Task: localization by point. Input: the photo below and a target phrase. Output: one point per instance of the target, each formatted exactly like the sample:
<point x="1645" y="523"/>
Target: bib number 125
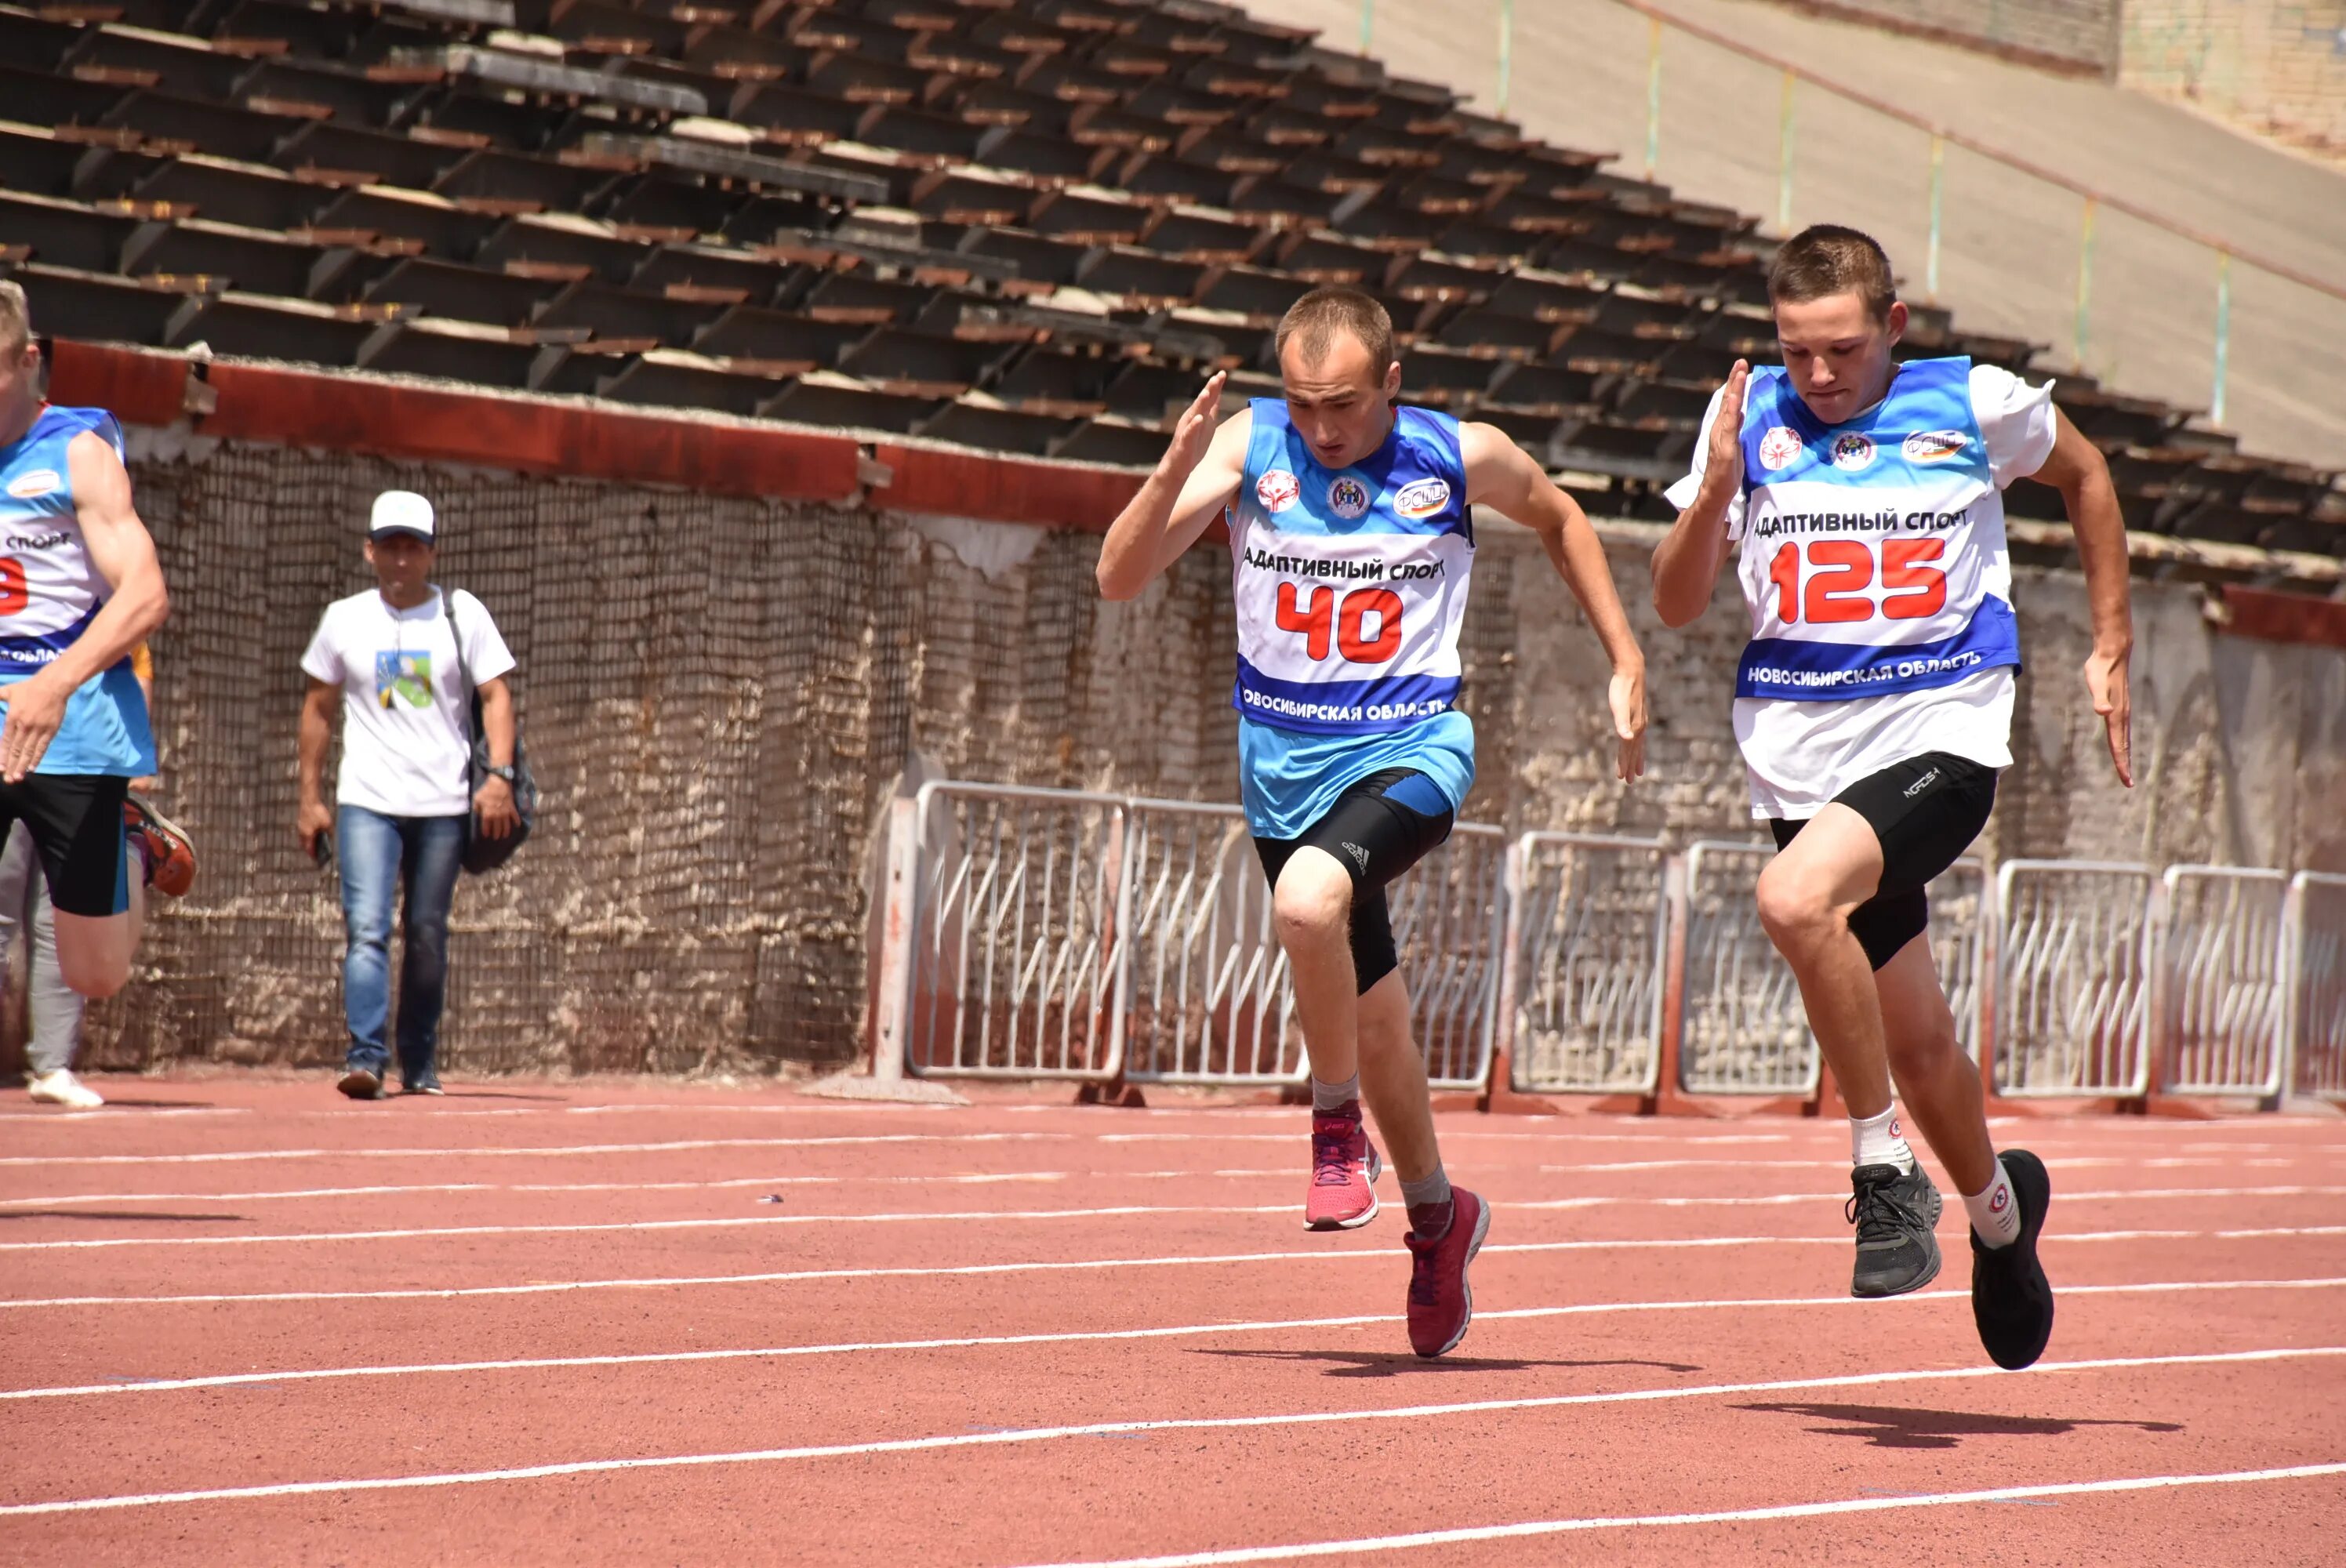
<point x="1839" y="571"/>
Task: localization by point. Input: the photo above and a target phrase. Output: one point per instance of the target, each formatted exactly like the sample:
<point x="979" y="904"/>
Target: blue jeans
<point x="378" y="853"/>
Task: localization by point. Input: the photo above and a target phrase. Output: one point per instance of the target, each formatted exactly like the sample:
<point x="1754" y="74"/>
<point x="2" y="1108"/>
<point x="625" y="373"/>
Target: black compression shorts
<point x="75" y="822"/>
<point x="1925" y="810"/>
<point x="1377" y="830"/>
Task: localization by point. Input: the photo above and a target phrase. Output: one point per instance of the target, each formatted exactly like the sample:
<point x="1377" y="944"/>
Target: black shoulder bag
<point x="482" y="853"/>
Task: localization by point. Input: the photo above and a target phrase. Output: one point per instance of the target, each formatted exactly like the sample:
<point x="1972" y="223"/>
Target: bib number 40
<point x="1322" y="619"/>
<point x="1839" y="571"/>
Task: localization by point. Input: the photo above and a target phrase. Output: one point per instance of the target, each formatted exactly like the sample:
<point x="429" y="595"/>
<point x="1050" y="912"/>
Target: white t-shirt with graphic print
<point x="1799" y="755"/>
<point x="406" y="726"/>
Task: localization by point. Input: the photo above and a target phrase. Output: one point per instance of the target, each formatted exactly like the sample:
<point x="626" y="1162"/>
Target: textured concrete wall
<point x="2080" y="32"/>
<point x="2273" y="66"/>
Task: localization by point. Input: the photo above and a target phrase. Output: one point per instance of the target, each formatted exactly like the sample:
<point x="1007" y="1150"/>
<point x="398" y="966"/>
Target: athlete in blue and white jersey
<point x="79" y="589"/>
<point x="1874" y="705"/>
<point x="1352" y="545"/>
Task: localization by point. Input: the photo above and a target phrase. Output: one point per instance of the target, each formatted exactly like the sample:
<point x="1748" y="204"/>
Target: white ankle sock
<point x="1996" y="1215"/>
<point x="1879" y="1141"/>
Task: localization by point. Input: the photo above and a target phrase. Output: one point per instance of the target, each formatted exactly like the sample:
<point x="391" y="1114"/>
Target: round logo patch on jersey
<point x="1348" y="498"/>
<point x="1277" y="490"/>
<point x="1423" y="497"/>
<point x="1852" y="453"/>
<point x="1779" y="448"/>
<point x="39" y="482"/>
<point x="1933" y="446"/>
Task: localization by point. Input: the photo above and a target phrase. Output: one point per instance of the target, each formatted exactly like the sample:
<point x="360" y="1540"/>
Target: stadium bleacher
<point x="1030" y="226"/>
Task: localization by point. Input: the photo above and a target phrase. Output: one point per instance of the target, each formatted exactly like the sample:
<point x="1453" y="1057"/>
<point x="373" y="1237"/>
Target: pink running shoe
<point x="1440" y="1303"/>
<point x="1344" y="1169"/>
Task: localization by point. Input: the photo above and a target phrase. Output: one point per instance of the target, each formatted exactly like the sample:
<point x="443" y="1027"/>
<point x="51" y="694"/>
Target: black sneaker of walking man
<point x="1895" y="1212"/>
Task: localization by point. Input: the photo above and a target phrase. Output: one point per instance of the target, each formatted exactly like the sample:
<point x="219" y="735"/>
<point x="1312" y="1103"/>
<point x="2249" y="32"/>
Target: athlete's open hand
<point x="1627" y="694"/>
<point x="36" y="705"/>
<point x="1723" y="460"/>
<point x="2106" y="684"/>
<point x="1195" y="431"/>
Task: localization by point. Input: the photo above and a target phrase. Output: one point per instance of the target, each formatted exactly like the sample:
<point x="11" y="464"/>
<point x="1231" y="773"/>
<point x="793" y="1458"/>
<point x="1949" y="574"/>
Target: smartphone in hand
<point x="321" y="848"/>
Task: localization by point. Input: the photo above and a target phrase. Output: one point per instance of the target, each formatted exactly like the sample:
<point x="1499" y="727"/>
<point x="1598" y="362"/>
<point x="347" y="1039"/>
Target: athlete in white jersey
<point x="1351" y="542"/>
<point x="79" y="589"/>
<point x="1874" y="707"/>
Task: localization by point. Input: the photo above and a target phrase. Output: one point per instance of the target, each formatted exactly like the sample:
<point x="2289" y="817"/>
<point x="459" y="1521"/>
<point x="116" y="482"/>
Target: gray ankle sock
<point x="1327" y="1098"/>
<point x="1434" y="1188"/>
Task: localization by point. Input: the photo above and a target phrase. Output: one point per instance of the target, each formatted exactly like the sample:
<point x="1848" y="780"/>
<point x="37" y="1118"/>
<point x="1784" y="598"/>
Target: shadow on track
<point x="1888" y="1426"/>
<point x="1395" y="1363"/>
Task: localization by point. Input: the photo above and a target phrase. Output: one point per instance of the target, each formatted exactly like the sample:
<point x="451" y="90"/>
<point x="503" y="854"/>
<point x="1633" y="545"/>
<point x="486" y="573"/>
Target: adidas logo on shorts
<point x="1358" y="854"/>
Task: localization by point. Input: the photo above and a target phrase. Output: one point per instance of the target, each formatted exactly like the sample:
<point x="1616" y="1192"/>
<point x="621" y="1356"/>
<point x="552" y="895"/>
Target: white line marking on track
<point x="492" y="1151"/>
<point x="1121" y="1211"/>
<point x="1721" y="1516"/>
<point x="667" y="1282"/>
<point x="1071" y="1337"/>
<point x="1106" y="1428"/>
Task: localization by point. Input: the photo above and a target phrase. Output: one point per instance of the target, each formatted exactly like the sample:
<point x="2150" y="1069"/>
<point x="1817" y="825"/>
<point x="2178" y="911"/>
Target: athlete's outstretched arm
<point x="2076" y="469"/>
<point x="1194" y="481"/>
<point x="124" y="554"/>
<point x="1503" y="476"/>
<point x="1687" y="561"/>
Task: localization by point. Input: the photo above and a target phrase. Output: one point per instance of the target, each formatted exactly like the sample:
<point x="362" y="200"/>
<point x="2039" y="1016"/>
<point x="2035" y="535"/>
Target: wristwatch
<point x="503" y="771"/>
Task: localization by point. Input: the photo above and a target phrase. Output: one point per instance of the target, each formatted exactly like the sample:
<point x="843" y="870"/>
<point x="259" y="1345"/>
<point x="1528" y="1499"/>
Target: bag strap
<point x="463" y="675"/>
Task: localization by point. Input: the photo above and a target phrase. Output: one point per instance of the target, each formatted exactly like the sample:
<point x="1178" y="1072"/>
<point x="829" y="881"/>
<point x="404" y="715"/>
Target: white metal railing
<point x="1961" y="914"/>
<point x="1742" y="1030"/>
<point x="1449" y="921"/>
<point x="2315" y="988"/>
<point x="2073" y="953"/>
<point x="1588" y="954"/>
<point x="1204" y="998"/>
<point x="1056" y="933"/>
<point x="1014" y="949"/>
<point x="2222" y="981"/>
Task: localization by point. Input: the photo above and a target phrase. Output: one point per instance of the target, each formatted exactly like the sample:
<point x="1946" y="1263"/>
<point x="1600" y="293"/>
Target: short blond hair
<point x="1330" y="309"/>
<point x="15" y="317"/>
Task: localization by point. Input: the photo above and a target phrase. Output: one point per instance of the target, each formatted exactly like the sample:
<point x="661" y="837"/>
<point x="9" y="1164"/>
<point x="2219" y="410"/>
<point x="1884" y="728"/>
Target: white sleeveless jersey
<point x="1349" y="587"/>
<point x="1878" y="583"/>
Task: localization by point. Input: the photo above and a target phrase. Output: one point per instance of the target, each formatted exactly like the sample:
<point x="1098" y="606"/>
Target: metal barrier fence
<point x="1449" y="919"/>
<point x="2316" y="987"/>
<point x="2221" y="980"/>
<point x="1742" y="1029"/>
<point x="2074" y="955"/>
<point x="1014" y="953"/>
<point x="1052" y="933"/>
<point x="1587" y="950"/>
<point x="1204" y="998"/>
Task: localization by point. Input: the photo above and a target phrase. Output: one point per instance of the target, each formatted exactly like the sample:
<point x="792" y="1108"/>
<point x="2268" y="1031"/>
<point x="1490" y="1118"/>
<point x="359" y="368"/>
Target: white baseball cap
<point x="401" y="512"/>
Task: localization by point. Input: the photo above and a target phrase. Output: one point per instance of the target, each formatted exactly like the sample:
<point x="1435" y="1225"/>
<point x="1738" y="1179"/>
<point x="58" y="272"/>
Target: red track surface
<point x="610" y="1223"/>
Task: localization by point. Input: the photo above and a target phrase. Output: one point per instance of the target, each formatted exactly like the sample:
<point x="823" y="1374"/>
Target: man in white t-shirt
<point x="1874" y="705"/>
<point x="404" y="796"/>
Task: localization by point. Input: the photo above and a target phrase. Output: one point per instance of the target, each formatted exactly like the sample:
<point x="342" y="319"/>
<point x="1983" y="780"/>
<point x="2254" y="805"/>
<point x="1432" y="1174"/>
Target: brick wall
<point x="2275" y="68"/>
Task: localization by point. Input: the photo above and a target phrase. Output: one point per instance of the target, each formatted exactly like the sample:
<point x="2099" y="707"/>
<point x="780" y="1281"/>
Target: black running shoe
<point x="2012" y="1301"/>
<point x="1894" y="1212"/>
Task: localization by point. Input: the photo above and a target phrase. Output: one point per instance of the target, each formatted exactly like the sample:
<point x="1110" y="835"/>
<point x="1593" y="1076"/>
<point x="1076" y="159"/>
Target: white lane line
<point x="526" y="1151"/>
<point x="1119" y="1211"/>
<point x="1532" y="1528"/>
<point x="1072" y="1337"/>
<point x="1017" y="1435"/>
<point x="675" y="1281"/>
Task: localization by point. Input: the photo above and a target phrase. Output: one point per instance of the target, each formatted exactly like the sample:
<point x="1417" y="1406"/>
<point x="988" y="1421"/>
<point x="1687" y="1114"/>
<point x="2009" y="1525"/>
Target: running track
<point x="586" y="1324"/>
